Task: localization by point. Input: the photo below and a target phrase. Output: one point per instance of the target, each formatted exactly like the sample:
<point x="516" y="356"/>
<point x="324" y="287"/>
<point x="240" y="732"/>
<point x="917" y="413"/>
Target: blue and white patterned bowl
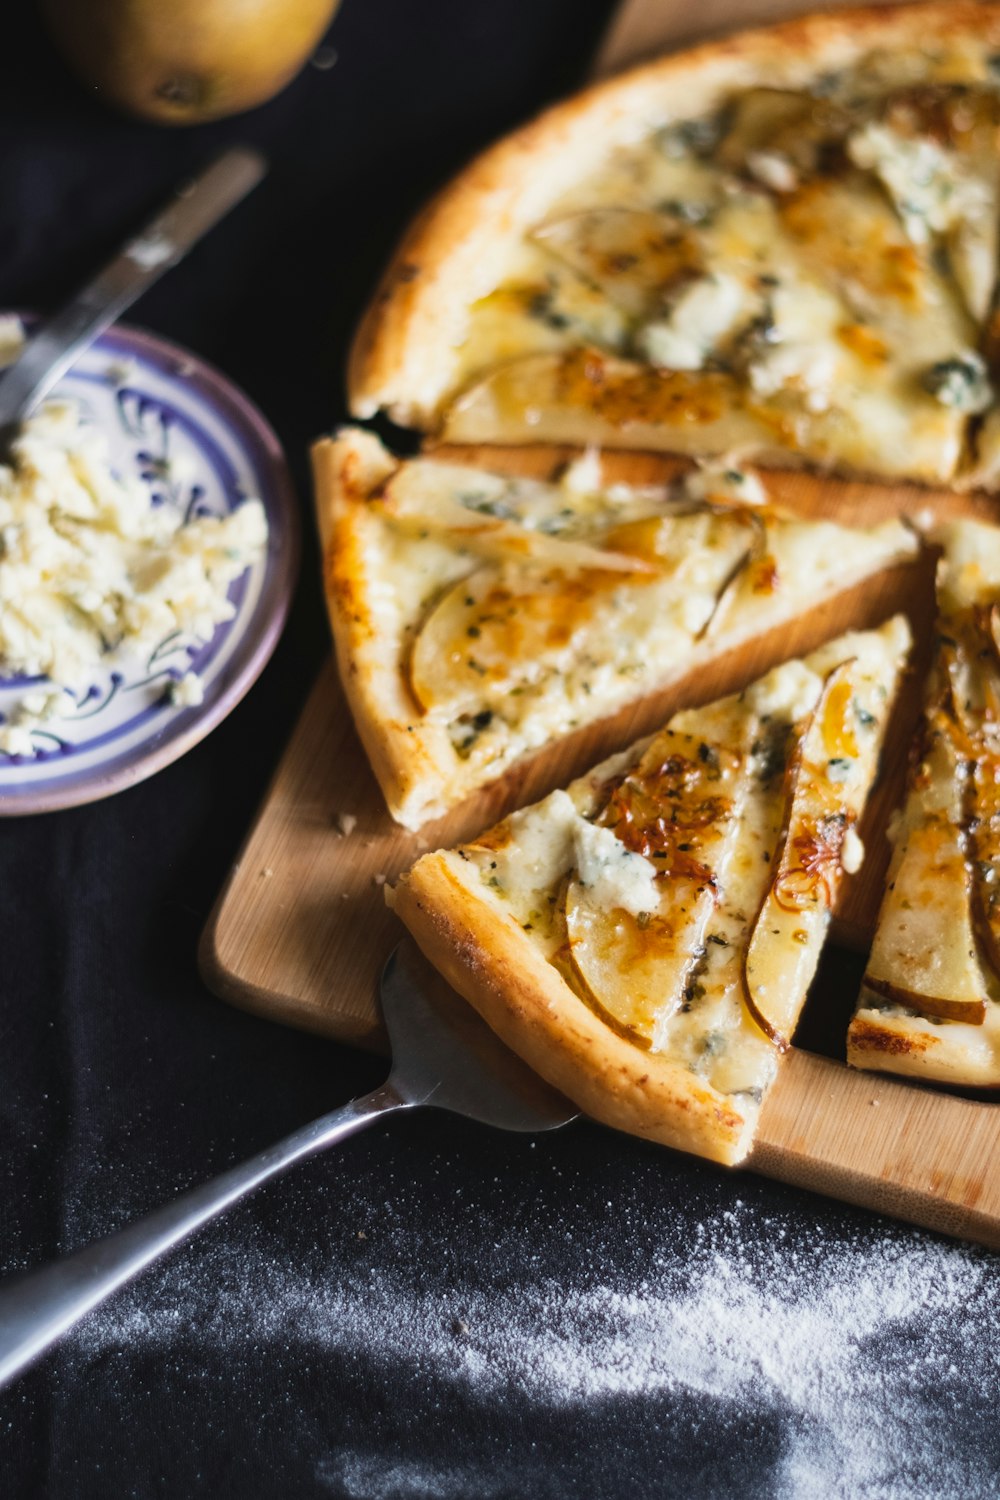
<point x="202" y="448"/>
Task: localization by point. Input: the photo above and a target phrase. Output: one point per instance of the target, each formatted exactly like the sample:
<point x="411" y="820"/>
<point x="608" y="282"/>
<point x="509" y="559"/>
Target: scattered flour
<point x="871" y="1352"/>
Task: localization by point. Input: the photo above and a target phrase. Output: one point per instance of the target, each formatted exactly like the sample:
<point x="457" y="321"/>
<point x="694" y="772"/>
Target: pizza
<point x="778" y="250"/>
<point x="783" y="244"/>
<point x="479" y="616"/>
<point x="930" y="1000"/>
<point x="645" y="938"/>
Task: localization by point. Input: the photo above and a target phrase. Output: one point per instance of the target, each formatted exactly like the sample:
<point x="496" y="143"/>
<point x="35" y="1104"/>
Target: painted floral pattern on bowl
<point x="201" y="448"/>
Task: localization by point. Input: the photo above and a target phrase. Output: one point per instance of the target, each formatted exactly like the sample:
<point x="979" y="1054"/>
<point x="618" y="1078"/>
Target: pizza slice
<point x="930" y="1001"/>
<point x="645" y="938"/>
<point x="478" y="617"/>
<point x="784" y="244"/>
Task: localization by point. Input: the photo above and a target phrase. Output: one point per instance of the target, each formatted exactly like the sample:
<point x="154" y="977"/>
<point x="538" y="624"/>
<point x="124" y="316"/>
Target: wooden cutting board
<point x="301" y="931"/>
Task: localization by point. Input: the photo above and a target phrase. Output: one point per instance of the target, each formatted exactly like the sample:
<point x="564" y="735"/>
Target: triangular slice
<point x="930" y="1002"/>
<point x="479" y="617"/>
<point x="606" y="933"/>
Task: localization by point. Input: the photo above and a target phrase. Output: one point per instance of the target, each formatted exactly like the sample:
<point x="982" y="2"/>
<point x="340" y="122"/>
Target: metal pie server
<point x="443" y="1055"/>
<point x="195" y="208"/>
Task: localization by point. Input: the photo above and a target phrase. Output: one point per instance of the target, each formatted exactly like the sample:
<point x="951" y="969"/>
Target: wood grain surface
<point x="895" y="1148"/>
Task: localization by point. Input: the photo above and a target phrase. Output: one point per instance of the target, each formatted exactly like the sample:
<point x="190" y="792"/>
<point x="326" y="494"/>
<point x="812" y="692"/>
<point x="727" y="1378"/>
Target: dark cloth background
<point x="122" y="1079"/>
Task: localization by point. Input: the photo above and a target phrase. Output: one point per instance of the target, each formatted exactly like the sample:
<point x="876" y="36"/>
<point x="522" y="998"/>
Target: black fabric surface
<point x="433" y="1310"/>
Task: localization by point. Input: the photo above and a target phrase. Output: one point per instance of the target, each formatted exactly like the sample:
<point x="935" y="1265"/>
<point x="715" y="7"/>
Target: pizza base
<point x="404" y="355"/>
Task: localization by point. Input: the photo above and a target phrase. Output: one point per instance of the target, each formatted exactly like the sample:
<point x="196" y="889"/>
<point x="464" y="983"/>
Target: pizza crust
<point x="486" y="957"/>
<point x="408" y="766"/>
<point x="404" y="355"/>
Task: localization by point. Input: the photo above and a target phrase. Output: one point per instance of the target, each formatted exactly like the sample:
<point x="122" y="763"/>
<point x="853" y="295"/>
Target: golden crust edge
<point x="346" y="469"/>
<point x="875" y="1045"/>
<point x="486" y="957"/>
<point x="396" y="362"/>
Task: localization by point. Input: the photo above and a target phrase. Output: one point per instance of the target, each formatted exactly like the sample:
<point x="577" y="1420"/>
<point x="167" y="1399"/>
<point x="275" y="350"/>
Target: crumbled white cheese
<point x="787" y="692"/>
<point x="187" y="691"/>
<point x="345" y="823"/>
<point x="717" y="479"/>
<point x="613" y="875"/>
<point x="37" y="707"/>
<point x="961" y="382"/>
<point x="703" y="312"/>
<point x="803" y="354"/>
<point x="810" y="370"/>
<point x="583" y="476"/>
<point x="969" y="570"/>
<point x="15" y="738"/>
<point x="852" y="852"/>
<point x="90" y="569"/>
<point x="552" y="838"/>
<point x="774" y="170"/>
<point x="926" y="182"/>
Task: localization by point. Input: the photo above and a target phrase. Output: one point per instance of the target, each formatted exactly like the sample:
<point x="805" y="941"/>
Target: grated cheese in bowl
<point x="92" y="572"/>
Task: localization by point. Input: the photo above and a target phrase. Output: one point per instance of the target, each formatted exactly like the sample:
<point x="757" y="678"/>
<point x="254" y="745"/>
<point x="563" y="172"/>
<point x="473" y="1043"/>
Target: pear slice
<point x="771" y="125"/>
<point x="681" y="809"/>
<point x="827" y="782"/>
<point x="634" y="255"/>
<point x="507" y="625"/>
<point x="966" y="122"/>
<point x="499" y="627"/>
<point x="429" y="501"/>
<point x="985" y="842"/>
<point x="924" y="955"/>
<point x="970" y="657"/>
<point x="586" y="397"/>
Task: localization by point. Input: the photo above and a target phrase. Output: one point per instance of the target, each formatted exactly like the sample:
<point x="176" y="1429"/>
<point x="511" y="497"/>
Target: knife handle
<point x="195" y="208"/>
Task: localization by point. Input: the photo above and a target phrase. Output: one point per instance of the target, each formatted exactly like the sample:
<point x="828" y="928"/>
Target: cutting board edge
<point x="229" y="983"/>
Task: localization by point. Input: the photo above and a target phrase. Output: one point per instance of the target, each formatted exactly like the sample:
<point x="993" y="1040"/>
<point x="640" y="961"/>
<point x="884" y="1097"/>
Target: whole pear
<point x="181" y="62"/>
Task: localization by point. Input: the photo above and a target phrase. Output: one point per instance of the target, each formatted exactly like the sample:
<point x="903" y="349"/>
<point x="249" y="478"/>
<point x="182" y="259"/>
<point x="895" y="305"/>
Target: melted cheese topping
<point x="927" y="182"/>
<point x="812" y="280"/>
<point x="789" y="692"/>
<point x="507" y="627"/>
<point x="613" y="875"/>
<point x="525" y="862"/>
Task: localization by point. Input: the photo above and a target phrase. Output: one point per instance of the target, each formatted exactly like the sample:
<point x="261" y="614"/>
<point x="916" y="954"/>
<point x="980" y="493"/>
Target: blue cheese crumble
<point x="91" y="572"/>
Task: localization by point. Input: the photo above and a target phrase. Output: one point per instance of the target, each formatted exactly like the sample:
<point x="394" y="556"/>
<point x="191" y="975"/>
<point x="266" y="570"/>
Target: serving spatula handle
<point x="37" y="1307"/>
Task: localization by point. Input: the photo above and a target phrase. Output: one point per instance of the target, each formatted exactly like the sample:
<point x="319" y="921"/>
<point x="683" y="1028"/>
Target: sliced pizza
<point x="645" y="938"/>
<point x="479" y="617"/>
<point x="784" y="243"/>
<point x="930" y="1001"/>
